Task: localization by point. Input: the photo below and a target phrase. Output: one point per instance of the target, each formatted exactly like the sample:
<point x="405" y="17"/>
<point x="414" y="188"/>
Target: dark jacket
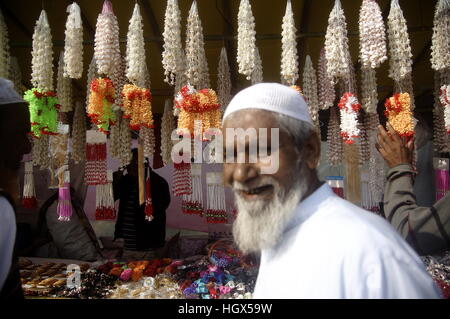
<point x="151" y="234"/>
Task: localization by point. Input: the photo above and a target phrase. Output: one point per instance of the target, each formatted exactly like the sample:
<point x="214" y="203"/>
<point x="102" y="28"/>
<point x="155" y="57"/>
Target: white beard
<point x="260" y="224"/>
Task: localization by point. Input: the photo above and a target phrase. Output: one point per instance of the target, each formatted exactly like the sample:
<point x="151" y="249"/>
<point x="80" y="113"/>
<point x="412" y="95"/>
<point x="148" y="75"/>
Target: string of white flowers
<point x="364" y="148"/>
<point x="42" y="55"/>
<point x="119" y="80"/>
<point x="125" y="143"/>
<point x="167" y="126"/>
<point x="310" y="90"/>
<point x="324" y="85"/>
<point x="440" y="40"/>
<point x="92" y="74"/>
<point x="223" y="80"/>
<point x="180" y="81"/>
<point x="440" y="136"/>
<point x="400" y="63"/>
<point x="172" y="58"/>
<point x="246" y="46"/>
<point x="444" y="98"/>
<point x="257" y="75"/>
<point x="79" y="133"/>
<point x="197" y="72"/>
<point x="63" y="87"/>
<point x="73" y="46"/>
<point x="4" y="48"/>
<point x="289" y="56"/>
<point x="335" y="149"/>
<point x="135" y="54"/>
<point x="147" y="136"/>
<point x="372" y="35"/>
<point x="349" y="107"/>
<point x="369" y="94"/>
<point x="336" y="44"/>
<point x="16" y="75"/>
<point x="114" y="146"/>
<point x="40" y="151"/>
<point x="107" y="47"/>
<point x="376" y="162"/>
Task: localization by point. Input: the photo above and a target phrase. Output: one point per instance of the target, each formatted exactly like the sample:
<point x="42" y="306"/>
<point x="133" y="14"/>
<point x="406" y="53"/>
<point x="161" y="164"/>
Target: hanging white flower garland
<point x="64" y="87"/>
<point x="325" y="85"/>
<point x="349" y="107"/>
<point x="42" y="55"/>
<point x="107" y="48"/>
<point x="172" y="56"/>
<point x="257" y="75"/>
<point x="79" y="134"/>
<point x="289" y="56"/>
<point x="310" y="90"/>
<point x="135" y="54"/>
<point x="4" y="49"/>
<point x="336" y="44"/>
<point x="372" y="35"/>
<point x="369" y="94"/>
<point x="167" y="127"/>
<point x="197" y="72"/>
<point x="223" y="80"/>
<point x="73" y="46"/>
<point x="440" y="46"/>
<point x="246" y="46"/>
<point x="400" y="63"/>
<point x="444" y="98"/>
<point x="335" y="149"/>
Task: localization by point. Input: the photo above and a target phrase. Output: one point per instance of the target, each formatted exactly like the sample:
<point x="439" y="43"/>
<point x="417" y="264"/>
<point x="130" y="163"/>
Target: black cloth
<point x="131" y="225"/>
<point x="12" y="288"/>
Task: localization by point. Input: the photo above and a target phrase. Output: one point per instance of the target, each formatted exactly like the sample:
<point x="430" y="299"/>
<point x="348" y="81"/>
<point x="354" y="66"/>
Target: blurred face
<point x="265" y="202"/>
<point x="14" y="129"/>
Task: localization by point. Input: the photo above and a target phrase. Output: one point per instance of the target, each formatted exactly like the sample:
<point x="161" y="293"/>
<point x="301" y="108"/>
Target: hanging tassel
<point x="148" y="199"/>
<point x="181" y="179"/>
<point x="29" y="194"/>
<point x="64" y="208"/>
<point x="104" y="200"/>
<point x="216" y="212"/>
<point x="193" y="203"/>
<point x="442" y="182"/>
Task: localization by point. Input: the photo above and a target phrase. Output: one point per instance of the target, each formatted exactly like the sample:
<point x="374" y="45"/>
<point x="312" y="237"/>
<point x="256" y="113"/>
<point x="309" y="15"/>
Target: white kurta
<point x="334" y="249"/>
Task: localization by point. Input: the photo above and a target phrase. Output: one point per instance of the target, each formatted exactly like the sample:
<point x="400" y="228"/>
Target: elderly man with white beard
<point x="313" y="244"/>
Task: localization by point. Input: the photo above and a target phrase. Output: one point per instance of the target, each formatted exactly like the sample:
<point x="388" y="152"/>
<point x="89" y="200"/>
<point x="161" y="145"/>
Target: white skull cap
<point x="273" y="97"/>
<point x="8" y="95"/>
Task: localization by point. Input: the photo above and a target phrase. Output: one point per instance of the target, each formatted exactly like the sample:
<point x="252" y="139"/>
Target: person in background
<point x="141" y="237"/>
<point x="14" y="143"/>
<point x="427" y="229"/>
<point x="313" y="243"/>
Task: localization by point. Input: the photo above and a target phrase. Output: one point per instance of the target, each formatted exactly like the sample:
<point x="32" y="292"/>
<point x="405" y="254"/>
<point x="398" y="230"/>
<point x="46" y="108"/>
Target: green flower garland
<point x="43" y="107"/>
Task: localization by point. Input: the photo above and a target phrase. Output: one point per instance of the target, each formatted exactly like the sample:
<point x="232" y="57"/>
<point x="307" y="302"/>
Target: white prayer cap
<point x="273" y="97"/>
<point x="8" y="94"/>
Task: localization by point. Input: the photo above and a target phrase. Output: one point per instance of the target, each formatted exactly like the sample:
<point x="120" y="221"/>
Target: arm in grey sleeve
<point x="426" y="228"/>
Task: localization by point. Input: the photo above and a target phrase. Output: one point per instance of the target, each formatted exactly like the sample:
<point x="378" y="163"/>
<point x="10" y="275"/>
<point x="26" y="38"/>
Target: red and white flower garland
<point x="349" y="107"/>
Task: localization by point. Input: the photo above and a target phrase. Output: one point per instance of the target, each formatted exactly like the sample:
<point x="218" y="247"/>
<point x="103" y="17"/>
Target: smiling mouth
<point x="253" y="192"/>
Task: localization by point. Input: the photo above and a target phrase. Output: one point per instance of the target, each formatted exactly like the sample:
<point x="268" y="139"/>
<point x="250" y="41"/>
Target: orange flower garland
<point x="101" y="98"/>
<point x="137" y="106"/>
<point x="398" y="112"/>
<point x="297" y="88"/>
<point x="198" y="106"/>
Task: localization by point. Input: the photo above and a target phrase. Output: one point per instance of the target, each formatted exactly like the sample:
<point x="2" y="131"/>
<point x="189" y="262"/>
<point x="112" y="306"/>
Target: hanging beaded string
<point x="216" y="211"/>
<point x="369" y="94"/>
<point x="79" y="134"/>
<point x="257" y="75"/>
<point x="289" y="56"/>
<point x="64" y="87"/>
<point x="125" y="143"/>
<point x="223" y="80"/>
<point x="440" y="41"/>
<point x="29" y="193"/>
<point x="197" y="71"/>
<point x="310" y="91"/>
<point x="193" y="203"/>
<point x="4" y="48"/>
<point x="325" y="85"/>
<point x="104" y="200"/>
<point x="182" y="184"/>
<point x="335" y="150"/>
<point x="172" y="56"/>
<point x="96" y="168"/>
<point x="444" y="98"/>
<point x="246" y="46"/>
<point x="73" y="45"/>
<point x="440" y="136"/>
<point x="167" y="127"/>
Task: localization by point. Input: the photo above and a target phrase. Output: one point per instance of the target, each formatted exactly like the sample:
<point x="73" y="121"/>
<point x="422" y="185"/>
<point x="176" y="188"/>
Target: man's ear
<point x="311" y="150"/>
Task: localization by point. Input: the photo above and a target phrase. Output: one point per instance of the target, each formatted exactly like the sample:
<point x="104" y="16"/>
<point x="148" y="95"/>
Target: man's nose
<point x="244" y="172"/>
